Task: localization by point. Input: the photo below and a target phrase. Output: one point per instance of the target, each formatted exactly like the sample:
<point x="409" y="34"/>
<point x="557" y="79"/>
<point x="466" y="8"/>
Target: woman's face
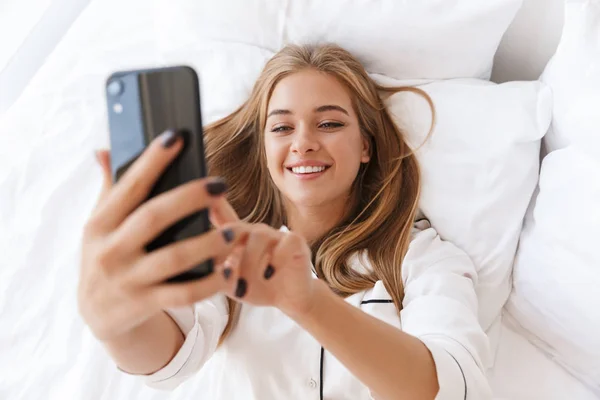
<point x="313" y="143"/>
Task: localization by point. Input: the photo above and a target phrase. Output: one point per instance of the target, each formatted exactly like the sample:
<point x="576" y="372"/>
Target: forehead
<point x="307" y="90"/>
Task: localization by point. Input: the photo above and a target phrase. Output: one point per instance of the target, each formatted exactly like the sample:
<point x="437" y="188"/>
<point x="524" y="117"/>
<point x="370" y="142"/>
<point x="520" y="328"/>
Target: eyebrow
<point x="327" y="107"/>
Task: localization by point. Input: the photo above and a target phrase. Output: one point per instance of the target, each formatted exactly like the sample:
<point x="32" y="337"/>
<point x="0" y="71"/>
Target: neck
<point x="312" y="222"/>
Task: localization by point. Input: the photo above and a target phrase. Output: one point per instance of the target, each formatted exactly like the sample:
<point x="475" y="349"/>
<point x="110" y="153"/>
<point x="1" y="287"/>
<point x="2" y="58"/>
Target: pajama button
<point x="312" y="383"/>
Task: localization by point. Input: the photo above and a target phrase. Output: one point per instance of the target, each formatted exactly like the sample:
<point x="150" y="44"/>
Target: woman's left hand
<point x="275" y="270"/>
<point x="274" y="266"/>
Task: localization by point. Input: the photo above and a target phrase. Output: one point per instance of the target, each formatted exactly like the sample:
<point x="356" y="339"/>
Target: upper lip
<point x="308" y="163"/>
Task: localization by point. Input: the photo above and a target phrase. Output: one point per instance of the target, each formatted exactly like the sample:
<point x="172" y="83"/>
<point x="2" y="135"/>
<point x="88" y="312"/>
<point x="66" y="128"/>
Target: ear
<point x="366" y="151"/>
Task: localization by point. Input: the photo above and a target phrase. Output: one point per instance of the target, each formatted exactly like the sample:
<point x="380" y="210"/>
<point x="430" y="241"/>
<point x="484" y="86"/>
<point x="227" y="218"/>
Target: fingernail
<point x="97" y="154"/>
<point x="210" y="268"/>
<point x="216" y="187"/>
<point x="228" y="235"/>
<point x="227" y="273"/>
<point x="169" y="138"/>
<point x="241" y="288"/>
<point x="269" y="272"/>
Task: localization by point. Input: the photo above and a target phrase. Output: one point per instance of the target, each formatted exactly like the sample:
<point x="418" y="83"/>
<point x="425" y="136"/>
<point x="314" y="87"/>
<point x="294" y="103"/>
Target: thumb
<point x="103" y="159"/>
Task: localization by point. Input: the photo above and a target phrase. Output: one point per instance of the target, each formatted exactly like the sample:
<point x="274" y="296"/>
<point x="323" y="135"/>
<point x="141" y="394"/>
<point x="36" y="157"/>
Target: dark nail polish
<point x="216" y="188"/>
<point x="269" y="272"/>
<point x="227" y="273"/>
<point x="228" y="235"/>
<point x="169" y="138"/>
<point x="241" y="288"/>
<point x="210" y="268"/>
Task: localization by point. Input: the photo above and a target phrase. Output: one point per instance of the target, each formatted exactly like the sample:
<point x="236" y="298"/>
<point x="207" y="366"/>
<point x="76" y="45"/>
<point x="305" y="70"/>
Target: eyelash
<point x="332" y="125"/>
<point x="281" y="128"/>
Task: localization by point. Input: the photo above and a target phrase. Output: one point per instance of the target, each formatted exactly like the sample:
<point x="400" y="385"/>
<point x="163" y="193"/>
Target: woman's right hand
<point x="121" y="285"/>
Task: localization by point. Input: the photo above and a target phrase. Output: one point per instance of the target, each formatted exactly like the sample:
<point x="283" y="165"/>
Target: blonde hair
<point x="385" y="192"/>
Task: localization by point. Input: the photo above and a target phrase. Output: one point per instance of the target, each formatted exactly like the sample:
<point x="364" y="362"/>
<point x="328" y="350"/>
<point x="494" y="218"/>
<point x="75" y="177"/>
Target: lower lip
<point x="307" y="177"/>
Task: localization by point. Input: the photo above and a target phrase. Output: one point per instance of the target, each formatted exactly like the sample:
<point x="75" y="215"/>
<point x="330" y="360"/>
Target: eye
<point x="330" y="125"/>
<point x="281" y="129"/>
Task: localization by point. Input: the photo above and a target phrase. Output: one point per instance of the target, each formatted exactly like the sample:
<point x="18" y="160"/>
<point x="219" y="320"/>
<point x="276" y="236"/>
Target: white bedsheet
<point x="524" y="372"/>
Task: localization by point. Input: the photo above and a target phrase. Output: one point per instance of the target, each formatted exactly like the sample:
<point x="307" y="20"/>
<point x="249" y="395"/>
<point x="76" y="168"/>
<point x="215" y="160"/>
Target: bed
<point x="52" y="117"/>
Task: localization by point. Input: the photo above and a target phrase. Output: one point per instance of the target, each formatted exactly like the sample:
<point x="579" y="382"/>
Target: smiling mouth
<point x="308" y="170"/>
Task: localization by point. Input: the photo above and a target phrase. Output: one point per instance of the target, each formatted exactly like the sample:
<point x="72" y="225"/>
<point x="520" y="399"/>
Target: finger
<point x="233" y="260"/>
<point x="255" y="257"/>
<point x="290" y="249"/>
<point x="234" y="257"/>
<point x="231" y="269"/>
<point x="182" y="294"/>
<point x="157" y="214"/>
<point x="137" y="182"/>
<point x="166" y="262"/>
<point x="93" y="225"/>
<point x="222" y="213"/>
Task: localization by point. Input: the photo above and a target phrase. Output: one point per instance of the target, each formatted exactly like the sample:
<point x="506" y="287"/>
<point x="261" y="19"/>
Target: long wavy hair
<point x="385" y="192"/>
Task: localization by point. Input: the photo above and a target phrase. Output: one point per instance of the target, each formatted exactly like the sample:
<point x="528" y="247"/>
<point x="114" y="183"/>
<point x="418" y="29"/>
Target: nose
<point x="305" y="140"/>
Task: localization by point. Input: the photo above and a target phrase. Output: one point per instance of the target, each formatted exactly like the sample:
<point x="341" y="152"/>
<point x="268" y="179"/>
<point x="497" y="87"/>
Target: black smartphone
<point x="142" y="104"/>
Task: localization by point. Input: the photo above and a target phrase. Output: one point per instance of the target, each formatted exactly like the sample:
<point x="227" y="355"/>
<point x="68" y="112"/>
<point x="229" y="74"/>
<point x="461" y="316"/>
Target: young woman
<point x="364" y="300"/>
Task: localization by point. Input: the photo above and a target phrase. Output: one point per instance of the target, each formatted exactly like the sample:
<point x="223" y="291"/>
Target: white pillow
<point x="433" y="39"/>
<point x="574" y="76"/>
<point x="480" y="168"/>
<point x="556" y="293"/>
<point x="530" y="41"/>
<point x="557" y="270"/>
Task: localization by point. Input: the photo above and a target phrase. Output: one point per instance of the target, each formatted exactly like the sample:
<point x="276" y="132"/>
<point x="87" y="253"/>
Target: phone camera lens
<point x="115" y="88"/>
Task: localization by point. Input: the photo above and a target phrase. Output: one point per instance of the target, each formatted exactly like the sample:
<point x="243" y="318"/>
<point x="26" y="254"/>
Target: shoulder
<point x="427" y="243"/>
<point x="425" y="249"/>
<point x="428" y="252"/>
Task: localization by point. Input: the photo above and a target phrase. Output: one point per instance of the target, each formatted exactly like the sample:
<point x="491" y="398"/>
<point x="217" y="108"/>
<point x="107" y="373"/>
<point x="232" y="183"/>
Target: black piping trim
<point x="465" y="347"/>
<point x="462" y="372"/>
<point x="376" y="301"/>
<point x="455" y="341"/>
<point x="321" y="373"/>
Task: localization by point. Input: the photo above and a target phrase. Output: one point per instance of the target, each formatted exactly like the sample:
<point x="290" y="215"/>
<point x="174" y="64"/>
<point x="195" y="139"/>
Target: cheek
<point x="275" y="153"/>
<point x="347" y="153"/>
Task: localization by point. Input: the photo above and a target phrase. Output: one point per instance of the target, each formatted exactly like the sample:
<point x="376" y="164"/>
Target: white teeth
<point x="307" y="170"/>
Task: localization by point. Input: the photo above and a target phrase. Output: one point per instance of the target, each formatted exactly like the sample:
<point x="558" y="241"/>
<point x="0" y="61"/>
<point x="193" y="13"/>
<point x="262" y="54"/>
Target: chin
<point x="309" y="200"/>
